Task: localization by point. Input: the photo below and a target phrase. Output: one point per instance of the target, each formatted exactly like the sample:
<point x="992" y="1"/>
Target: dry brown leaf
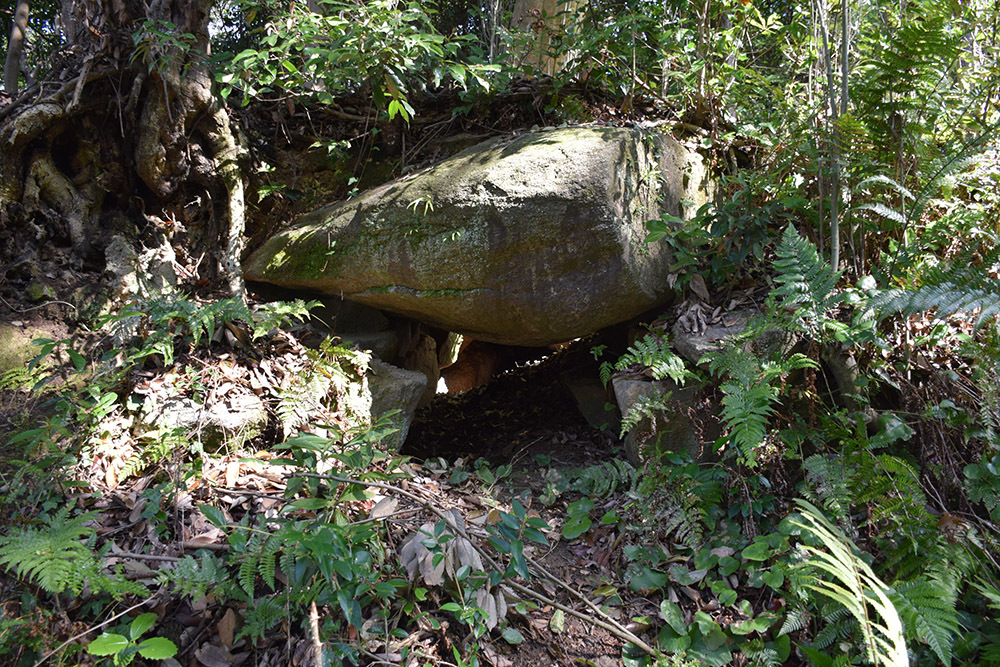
<point x="203" y="540"/>
<point x="417" y="559"/>
<point x="211" y="655"/>
<point x="138" y="570"/>
<point x="495" y="658"/>
<point x="227" y="628"/>
<point x="267" y="503"/>
<point x="699" y="287"/>
<point x="232" y="473"/>
<point x="384" y="507"/>
<point x="136" y="512"/>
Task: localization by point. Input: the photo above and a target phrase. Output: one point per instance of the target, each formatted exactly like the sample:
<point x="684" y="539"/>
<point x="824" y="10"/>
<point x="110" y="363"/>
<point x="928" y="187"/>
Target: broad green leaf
<point x="558" y="621"/>
<point x="157" y="648"/>
<point x="759" y="551"/>
<point x="78" y="361"/>
<point x="215" y="515"/>
<point x="140" y="624"/>
<point x="648" y="580"/>
<point x="670" y="641"/>
<point x="816" y="658"/>
<point x="512" y="636"/>
<point x="581" y="507"/>
<point x="536" y="536"/>
<point x="633" y="656"/>
<point x="310" y="503"/>
<point x="673" y="616"/>
<point x="108" y="644"/>
<point x="711" y="633"/>
<point x="657" y="230"/>
<point x="575" y="527"/>
<point x="728" y="565"/>
<point x="773" y="577"/>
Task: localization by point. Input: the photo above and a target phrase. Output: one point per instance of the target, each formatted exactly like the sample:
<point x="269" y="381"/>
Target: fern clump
<point x="806" y="284"/>
<point x="750" y="394"/>
<point x="927" y="609"/>
<point x="57" y="557"/>
<point x="603" y="479"/>
<point x="651" y="354"/>
<point x="196" y="577"/>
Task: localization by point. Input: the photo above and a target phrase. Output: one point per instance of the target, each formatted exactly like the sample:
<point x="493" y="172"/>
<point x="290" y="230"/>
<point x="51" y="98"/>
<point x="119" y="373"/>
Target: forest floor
<point x="522" y="436"/>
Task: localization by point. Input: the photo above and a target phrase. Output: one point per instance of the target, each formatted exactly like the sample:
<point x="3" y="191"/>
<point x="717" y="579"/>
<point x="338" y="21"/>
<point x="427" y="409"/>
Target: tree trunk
<point x="12" y="65"/>
<point x="544" y="20"/>
<point x="161" y="154"/>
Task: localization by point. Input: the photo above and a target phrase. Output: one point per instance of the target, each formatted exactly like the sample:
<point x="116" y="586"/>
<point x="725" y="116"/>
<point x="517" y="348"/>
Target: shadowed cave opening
<point x="534" y="406"/>
<point x="511" y="402"/>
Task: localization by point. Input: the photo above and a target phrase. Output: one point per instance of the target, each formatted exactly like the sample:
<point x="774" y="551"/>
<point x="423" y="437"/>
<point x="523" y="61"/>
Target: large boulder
<point x="530" y="240"/>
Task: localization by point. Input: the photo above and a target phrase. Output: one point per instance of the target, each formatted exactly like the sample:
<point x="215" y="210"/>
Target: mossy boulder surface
<point x="530" y="240"/>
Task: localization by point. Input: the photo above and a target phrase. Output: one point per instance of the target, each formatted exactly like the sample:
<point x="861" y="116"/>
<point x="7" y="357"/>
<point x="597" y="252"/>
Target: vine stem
<point x="601" y="620"/>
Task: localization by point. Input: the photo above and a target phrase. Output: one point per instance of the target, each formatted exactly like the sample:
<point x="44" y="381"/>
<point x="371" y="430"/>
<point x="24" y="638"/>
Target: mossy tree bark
<point x="123" y="138"/>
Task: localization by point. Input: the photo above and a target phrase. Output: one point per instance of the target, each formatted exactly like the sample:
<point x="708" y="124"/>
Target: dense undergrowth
<point x="847" y="514"/>
<point x="836" y="526"/>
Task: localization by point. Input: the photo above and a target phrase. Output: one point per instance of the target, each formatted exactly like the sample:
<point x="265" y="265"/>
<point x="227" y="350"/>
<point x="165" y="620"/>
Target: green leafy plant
<point x="123" y="649"/>
<point x="651" y="354"/>
<point x="855" y="586"/>
<point x="751" y="394"/>
<point x="158" y="44"/>
<point x="578" y="519"/>
<point x="374" y="45"/>
<point x="603" y="479"/>
<point x="55" y="557"/>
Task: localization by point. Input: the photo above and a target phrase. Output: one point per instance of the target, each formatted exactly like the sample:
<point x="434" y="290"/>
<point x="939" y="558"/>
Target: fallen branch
<point x="134" y="556"/>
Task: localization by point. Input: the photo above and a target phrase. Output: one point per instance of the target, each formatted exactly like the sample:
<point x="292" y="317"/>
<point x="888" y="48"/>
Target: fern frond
<point x="758" y="655"/>
<point x="301" y="399"/>
<point x="827" y="477"/>
<point x="646" y="407"/>
<point x="52" y="556"/>
<point x="196" y="578"/>
<point x="837" y="627"/>
<point x="654" y="354"/>
<point x="248" y="566"/>
<point x="55" y="557"/>
<point x="268" y="560"/>
<point x="806" y="283"/>
<point x="947" y="298"/>
<point x="796" y="619"/>
<point x="745" y="411"/>
<point x="607" y="369"/>
<point x="927" y="609"/>
<point x="856" y="587"/>
<point x="270" y="316"/>
<point x="673" y="510"/>
<point x="885" y="180"/>
<point x="260" y="618"/>
<point x="603" y="479"/>
<point x="884" y="211"/>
